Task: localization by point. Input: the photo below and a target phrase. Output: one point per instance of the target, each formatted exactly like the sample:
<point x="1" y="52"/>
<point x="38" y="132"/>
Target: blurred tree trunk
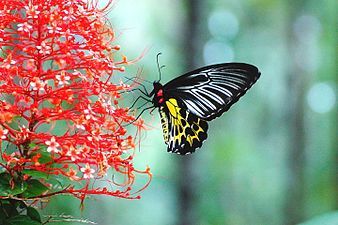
<point x="186" y="166"/>
<point x="295" y="160"/>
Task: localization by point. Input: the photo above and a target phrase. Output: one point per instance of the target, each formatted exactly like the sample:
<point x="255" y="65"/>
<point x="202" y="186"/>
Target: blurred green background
<point x="272" y="159"/>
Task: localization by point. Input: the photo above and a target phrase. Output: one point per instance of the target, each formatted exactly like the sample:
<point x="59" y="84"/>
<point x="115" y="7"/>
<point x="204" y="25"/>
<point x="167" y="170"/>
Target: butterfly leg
<point x="150" y="107"/>
<point x="138" y="98"/>
<point x="151" y="112"/>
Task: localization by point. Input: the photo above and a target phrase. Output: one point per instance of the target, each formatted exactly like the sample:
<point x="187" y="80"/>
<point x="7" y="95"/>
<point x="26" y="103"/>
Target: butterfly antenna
<point x="158" y="66"/>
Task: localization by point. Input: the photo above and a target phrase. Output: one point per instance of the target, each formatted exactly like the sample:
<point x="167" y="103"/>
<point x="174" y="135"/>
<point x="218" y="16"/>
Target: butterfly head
<point x="158" y="98"/>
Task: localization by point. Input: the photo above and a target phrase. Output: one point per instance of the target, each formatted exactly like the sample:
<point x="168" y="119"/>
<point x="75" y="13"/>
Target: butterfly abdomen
<point x="164" y="122"/>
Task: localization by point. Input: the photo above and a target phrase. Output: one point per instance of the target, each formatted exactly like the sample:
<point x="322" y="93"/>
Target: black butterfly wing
<point x="183" y="132"/>
<point x="209" y="91"/>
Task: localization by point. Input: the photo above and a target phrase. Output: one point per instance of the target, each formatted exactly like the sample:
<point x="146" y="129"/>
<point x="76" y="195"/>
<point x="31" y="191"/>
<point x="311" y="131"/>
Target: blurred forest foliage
<point x="272" y="159"/>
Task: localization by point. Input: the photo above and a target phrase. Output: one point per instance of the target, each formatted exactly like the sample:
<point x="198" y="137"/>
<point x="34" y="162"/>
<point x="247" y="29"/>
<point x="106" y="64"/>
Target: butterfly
<point x="187" y="103"/>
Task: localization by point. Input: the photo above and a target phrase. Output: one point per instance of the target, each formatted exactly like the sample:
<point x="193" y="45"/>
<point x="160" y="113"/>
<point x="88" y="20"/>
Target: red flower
<point x="59" y="106"/>
<point x="53" y="146"/>
<point x="87" y="172"/>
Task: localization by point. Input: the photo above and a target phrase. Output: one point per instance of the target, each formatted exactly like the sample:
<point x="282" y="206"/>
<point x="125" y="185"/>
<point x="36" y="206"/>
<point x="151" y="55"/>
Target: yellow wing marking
<point x="173" y="107"/>
<point x="190" y="138"/>
<point x="186" y="130"/>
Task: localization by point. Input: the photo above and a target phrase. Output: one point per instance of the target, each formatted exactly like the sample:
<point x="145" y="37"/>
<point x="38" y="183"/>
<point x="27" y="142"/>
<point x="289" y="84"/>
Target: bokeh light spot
<point x="321" y="97"/>
<point x="307" y="27"/>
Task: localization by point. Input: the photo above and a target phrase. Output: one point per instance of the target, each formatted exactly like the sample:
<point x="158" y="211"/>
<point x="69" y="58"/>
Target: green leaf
<point x="33" y="214"/>
<point x="59" y="182"/>
<point x="45" y="156"/>
<point x="5" y="177"/>
<point x="34" y="188"/>
<point x="32" y="145"/>
<point x="2" y="216"/>
<point x="5" y="188"/>
<point x="66" y="105"/>
<point x="56" y="181"/>
<point x="9" y="209"/>
<point x="36" y="174"/>
<point x="16" y="121"/>
<point x="22" y="220"/>
<point x="4" y="184"/>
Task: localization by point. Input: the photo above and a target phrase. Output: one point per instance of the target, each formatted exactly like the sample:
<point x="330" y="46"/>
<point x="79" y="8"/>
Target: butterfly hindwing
<point x="209" y="91"/>
<point x="183" y="132"/>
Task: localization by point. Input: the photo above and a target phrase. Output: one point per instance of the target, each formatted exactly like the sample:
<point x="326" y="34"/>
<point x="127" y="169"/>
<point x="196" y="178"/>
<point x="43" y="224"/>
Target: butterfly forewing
<point x="209" y="91"/>
<point x="183" y="132"/>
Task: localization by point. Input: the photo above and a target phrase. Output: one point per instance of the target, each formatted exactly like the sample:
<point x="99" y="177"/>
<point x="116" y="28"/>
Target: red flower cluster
<point x="60" y="120"/>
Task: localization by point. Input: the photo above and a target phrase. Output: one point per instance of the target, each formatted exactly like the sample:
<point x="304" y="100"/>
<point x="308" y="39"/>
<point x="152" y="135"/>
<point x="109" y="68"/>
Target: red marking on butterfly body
<point x="161" y="100"/>
<point x="160" y="93"/>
